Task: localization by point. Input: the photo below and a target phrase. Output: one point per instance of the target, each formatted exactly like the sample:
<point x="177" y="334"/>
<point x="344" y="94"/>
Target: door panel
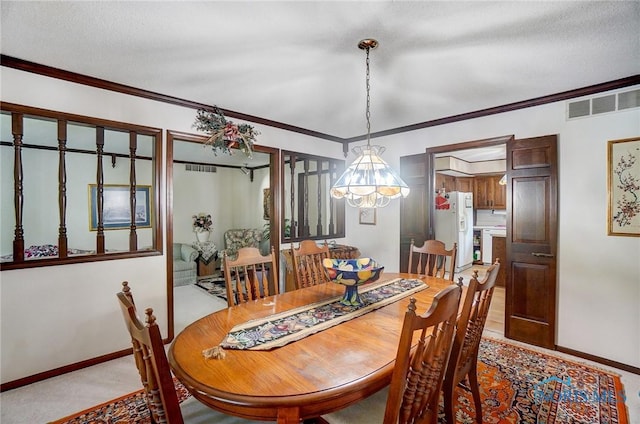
<point x="530" y="307"/>
<point x="530" y="211"/>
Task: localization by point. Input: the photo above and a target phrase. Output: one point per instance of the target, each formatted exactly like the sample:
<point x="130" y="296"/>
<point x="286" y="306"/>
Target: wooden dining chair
<point x="414" y="392"/>
<point x="250" y="276"/>
<point x="155" y="373"/>
<point x="307" y="263"/>
<point x="464" y="354"/>
<point x="432" y="259"/>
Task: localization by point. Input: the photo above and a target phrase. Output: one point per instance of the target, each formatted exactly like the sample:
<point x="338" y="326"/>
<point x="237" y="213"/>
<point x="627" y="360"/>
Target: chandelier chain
<point x="369" y="182"/>
<point x="368" y="113"/>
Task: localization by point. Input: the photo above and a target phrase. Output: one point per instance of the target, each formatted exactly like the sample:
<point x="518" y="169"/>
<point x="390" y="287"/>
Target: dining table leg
<point x="289" y="415"/>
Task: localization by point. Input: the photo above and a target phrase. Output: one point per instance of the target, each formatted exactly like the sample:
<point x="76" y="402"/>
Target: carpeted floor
<point x="215" y="286"/>
<point x="517" y="385"/>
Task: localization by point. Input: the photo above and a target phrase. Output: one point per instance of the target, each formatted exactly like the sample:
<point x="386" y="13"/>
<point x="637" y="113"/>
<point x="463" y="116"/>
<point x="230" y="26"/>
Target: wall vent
<point x="199" y="168"/>
<point x="603" y="104"/>
<point x="629" y="99"/>
<point x="578" y="109"/>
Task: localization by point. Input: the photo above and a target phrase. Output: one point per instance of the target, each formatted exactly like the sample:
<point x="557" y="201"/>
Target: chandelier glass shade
<point x="369" y="182"/>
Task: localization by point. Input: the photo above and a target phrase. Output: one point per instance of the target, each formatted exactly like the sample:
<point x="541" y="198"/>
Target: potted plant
<point x="223" y="134"/>
<point x="266" y="235"/>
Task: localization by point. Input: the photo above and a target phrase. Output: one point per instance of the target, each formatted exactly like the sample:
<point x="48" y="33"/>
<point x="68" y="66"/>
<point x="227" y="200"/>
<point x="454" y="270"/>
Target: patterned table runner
<point x="280" y="329"/>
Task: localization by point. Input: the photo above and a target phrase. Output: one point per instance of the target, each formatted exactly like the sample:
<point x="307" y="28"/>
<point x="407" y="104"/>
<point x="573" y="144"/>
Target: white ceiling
<point x="298" y="62"/>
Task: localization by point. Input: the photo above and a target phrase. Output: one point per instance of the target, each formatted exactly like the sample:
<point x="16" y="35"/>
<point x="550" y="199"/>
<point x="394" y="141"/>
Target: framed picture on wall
<point x="116" y="208"/>
<point x="266" y="202"/>
<point x="623" y="187"/>
<point x="368" y="216"/>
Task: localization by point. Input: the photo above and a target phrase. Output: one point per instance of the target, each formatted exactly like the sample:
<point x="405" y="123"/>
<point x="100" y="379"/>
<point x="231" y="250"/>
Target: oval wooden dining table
<point x="307" y="378"/>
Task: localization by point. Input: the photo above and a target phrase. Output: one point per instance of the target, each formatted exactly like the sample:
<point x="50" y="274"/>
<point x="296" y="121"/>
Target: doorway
<point x="418" y="216"/>
<point x="230" y="188"/>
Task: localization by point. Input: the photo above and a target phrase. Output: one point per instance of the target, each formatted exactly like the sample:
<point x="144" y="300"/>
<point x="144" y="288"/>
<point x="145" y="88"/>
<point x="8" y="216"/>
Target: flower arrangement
<point x="201" y="223"/>
<point x="223" y="134"/>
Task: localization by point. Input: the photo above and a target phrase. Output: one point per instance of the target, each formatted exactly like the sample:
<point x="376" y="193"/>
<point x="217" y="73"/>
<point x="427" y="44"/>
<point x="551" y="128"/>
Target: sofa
<point x="185" y="267"/>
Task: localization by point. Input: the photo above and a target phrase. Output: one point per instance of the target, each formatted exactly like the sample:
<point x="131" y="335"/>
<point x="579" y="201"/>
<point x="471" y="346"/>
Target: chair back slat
<point x="307" y="263"/>
<point x="471" y="322"/>
<point x="433" y="259"/>
<point x="151" y="361"/>
<point x="417" y="377"/>
<point x="250" y="276"/>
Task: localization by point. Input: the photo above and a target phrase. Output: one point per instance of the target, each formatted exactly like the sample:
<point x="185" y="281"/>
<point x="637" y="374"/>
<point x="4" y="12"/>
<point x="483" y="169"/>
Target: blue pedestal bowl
<point x="352" y="273"/>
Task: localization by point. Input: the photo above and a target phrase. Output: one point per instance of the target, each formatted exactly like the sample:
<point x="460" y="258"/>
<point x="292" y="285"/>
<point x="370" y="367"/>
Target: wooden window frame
<point x="18" y="113"/>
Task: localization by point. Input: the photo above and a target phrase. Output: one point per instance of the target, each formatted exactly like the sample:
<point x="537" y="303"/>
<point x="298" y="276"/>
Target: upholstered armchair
<point x="185" y="268"/>
<point x="243" y="237"/>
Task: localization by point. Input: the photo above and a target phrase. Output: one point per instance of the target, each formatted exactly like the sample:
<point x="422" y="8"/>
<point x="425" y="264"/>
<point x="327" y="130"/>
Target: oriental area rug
<point x="215" y="286"/>
<point x="517" y="385"/>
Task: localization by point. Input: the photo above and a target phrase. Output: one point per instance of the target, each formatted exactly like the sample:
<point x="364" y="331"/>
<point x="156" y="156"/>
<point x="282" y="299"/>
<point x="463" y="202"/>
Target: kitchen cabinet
<point x="449" y="183"/>
<point x="446" y="182"/>
<point x="488" y="193"/>
<point x="464" y="184"/>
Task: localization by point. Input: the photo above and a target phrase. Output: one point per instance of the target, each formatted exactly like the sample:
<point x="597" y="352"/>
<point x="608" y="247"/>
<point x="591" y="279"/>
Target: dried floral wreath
<point x="223" y="134"/>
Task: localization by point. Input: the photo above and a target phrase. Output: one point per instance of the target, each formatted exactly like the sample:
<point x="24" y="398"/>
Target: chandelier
<point x="369" y="182"/>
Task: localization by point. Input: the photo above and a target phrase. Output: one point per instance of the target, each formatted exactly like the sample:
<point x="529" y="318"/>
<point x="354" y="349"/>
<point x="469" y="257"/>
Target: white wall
<point x="598" y="275"/>
<point x="232" y="199"/>
<point x="55" y="316"/>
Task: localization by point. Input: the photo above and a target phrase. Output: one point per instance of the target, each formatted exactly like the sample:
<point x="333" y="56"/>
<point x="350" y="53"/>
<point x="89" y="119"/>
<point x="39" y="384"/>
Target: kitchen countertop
<point x="489" y="227"/>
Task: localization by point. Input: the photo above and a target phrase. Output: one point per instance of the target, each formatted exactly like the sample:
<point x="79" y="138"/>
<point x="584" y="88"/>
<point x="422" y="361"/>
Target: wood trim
<point x="274" y="178"/>
<point x="18" y="113"/>
<point x="430" y="157"/>
<point x="72" y="117"/>
<point x="54" y="261"/>
<point x="171" y="135"/>
<point x="537" y="101"/>
<point x="599" y="359"/>
<point x="26" y="66"/>
<point x="63" y="370"/>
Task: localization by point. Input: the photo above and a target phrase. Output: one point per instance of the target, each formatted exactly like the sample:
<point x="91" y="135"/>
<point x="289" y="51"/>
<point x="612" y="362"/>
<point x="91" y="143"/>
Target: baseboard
<point x="600" y="360"/>
<point x="63" y="370"/>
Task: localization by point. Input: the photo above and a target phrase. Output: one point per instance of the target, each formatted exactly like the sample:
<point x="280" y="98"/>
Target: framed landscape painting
<point x="623" y="187"/>
<point x="116" y="209"/>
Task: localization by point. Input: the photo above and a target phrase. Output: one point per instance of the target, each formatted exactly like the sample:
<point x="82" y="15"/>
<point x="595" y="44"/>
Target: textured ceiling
<point x="298" y="62"/>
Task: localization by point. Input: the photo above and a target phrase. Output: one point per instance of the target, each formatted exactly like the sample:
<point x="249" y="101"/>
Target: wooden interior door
<point x="530" y="307"/>
<point x="414" y="216"/>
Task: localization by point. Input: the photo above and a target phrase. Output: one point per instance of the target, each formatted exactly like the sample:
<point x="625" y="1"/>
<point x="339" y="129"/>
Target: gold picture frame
<point x="367" y="216"/>
<point x="623" y="187"/>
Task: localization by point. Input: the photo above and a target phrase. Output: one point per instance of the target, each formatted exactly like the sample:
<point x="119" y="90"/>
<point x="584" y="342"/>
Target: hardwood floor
<point x="495" y="319"/>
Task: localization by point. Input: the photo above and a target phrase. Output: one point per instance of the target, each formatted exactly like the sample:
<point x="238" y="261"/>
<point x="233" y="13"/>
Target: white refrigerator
<point x="454" y="224"/>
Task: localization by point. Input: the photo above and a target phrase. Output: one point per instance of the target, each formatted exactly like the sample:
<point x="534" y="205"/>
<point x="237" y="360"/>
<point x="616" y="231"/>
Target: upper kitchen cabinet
<point x="464" y="184"/>
<point x="488" y="193"/>
<point x="449" y="183"/>
<point x="446" y="182"/>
